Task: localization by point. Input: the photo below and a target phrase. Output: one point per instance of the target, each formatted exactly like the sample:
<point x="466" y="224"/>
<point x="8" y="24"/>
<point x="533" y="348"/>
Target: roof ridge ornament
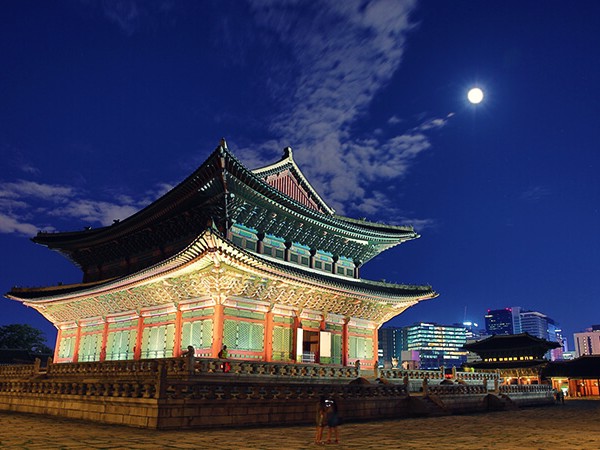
<point x="223" y="144"/>
<point x="287" y="153"/>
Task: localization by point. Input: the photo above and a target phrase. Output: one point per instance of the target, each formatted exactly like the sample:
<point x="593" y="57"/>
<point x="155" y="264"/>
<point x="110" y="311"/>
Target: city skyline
<point x="107" y="105"/>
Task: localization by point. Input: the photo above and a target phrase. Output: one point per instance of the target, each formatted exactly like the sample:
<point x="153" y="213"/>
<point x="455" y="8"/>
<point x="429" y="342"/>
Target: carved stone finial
<point x="287" y="152"/>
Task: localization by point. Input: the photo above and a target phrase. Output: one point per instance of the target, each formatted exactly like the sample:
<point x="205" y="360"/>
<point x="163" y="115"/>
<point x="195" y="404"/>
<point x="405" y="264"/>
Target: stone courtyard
<point x="568" y="426"/>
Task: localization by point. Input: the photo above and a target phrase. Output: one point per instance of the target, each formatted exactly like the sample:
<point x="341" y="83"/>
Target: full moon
<point x="475" y="95"/>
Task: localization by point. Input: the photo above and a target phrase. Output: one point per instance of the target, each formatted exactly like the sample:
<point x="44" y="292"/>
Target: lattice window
<point x="282" y="343"/>
<point x="158" y="341"/>
<point x="360" y="347"/>
<point x="243" y="335"/>
<point x="336" y="349"/>
<point x="89" y="347"/>
<point x="119" y="344"/>
<point x="198" y="334"/>
<point x="66" y="347"/>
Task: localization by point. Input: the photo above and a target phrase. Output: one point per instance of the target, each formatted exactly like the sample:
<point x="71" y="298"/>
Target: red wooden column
<point x="268" y="345"/>
<point x="375" y="346"/>
<point x="137" y="354"/>
<point x="77" y="340"/>
<point x="104" y="341"/>
<point x="218" y="327"/>
<point x="57" y="347"/>
<point x="177" y="343"/>
<point x="296" y="324"/>
<point x="345" y="342"/>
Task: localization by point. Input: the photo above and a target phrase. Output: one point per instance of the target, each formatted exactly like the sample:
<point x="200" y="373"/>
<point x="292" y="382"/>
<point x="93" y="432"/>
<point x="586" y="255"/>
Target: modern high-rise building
<point x="503" y="321"/>
<point x="516" y="320"/>
<point x="538" y="324"/>
<point x="438" y="345"/>
<point x="587" y="342"/>
<point x="391" y="344"/>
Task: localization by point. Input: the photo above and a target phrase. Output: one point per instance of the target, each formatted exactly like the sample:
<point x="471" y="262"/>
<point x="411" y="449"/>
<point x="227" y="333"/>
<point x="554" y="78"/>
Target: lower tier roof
<point x="212" y="267"/>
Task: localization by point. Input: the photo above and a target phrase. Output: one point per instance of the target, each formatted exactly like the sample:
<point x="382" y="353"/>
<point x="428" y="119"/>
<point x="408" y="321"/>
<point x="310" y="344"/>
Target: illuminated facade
<point x="254" y="260"/>
<point x="587" y="342"/>
<point x="438" y="345"/>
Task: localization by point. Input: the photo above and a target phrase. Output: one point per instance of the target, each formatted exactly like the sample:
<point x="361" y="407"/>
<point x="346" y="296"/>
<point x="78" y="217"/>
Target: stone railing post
<point x="425" y="386"/>
<point x="190" y="359"/>
<point x="485" y="384"/>
<point x="36" y="366"/>
<point x="161" y="381"/>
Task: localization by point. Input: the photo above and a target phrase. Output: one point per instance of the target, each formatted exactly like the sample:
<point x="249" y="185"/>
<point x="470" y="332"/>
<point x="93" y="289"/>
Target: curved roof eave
<point x="209" y="241"/>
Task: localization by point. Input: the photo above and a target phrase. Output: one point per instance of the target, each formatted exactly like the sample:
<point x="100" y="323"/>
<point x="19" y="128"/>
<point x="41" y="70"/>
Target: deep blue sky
<point x="106" y="104"/>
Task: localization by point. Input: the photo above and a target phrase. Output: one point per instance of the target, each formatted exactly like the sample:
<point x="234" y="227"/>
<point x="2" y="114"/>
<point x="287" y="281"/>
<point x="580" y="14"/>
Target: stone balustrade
<point x="282" y="370"/>
<point x="400" y="374"/>
<point x="18" y="371"/>
<point x="104" y="369"/>
<point x="287" y="391"/>
<point x="456" y="389"/>
<point x="162" y="387"/>
<point x="197" y="366"/>
<point x="524" y="388"/>
<point x="149" y="388"/>
<point x="476" y="376"/>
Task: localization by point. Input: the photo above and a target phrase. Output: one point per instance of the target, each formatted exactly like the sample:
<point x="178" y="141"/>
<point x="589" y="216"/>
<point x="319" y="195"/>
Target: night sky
<point x="107" y="104"/>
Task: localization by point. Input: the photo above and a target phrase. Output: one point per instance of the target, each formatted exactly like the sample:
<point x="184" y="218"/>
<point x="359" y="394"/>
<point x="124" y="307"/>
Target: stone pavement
<point x="570" y="426"/>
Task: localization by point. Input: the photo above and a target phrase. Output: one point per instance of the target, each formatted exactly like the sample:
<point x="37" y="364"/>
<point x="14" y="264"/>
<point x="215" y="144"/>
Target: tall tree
<point x="23" y="337"/>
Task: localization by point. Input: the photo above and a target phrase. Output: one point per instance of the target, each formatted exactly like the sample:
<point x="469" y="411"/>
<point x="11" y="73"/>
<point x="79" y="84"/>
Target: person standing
<point x="333" y="420"/>
<point x="321" y="420"/>
<point x="225" y="365"/>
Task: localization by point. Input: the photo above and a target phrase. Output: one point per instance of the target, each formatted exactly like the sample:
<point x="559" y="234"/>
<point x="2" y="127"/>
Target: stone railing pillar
<point x="190" y="359"/>
<point x="161" y="381"/>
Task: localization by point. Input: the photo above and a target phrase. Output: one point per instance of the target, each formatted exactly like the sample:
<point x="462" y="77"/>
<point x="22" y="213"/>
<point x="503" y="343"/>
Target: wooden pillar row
<point x="177" y="343"/>
<point x="137" y="350"/>
<point x="345" y="342"/>
<point x="77" y="340"/>
<point x="104" y="341"/>
<point x="268" y="344"/>
<point x="375" y="346"/>
<point x="57" y="347"/>
<point x="218" y="327"/>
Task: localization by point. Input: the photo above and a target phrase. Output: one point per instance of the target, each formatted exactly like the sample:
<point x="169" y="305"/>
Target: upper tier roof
<point x="275" y="199"/>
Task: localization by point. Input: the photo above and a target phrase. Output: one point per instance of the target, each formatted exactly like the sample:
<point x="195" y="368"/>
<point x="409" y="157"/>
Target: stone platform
<point x="568" y="426"/>
<point x="180" y="393"/>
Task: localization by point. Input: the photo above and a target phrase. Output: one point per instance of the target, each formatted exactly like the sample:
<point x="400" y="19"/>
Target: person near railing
<point x="321" y="420"/>
<point x="225" y="365"/>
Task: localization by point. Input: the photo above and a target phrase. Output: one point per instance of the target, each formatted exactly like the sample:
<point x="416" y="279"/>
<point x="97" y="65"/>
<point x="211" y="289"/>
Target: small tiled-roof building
<point x="580" y="377"/>
<point x="518" y="358"/>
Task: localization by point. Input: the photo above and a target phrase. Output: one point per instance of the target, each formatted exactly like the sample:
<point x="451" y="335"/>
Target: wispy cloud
<point x="23" y="202"/>
<point x="130" y="15"/>
<point x="535" y="193"/>
<point x="24" y="189"/>
<point x="9" y="225"/>
<point x="94" y="211"/>
<point x="346" y="53"/>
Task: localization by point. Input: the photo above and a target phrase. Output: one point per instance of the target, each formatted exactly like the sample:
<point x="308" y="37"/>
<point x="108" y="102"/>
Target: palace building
<point x="251" y="259"/>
